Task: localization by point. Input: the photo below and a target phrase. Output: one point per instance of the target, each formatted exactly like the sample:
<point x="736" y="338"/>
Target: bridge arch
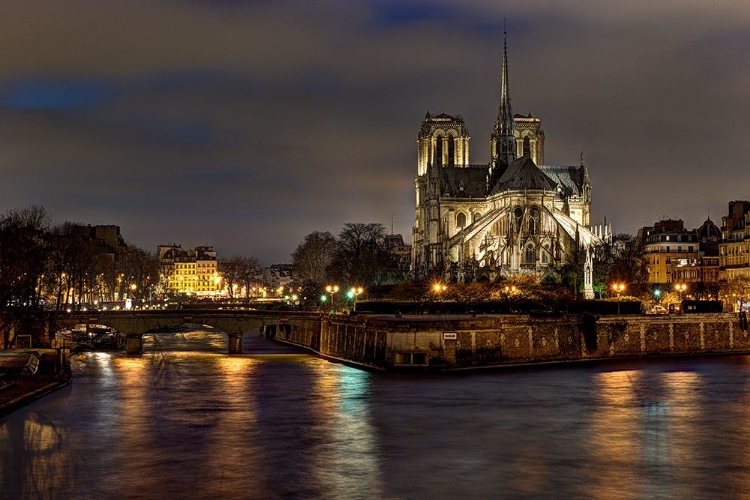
<point x="234" y="323"/>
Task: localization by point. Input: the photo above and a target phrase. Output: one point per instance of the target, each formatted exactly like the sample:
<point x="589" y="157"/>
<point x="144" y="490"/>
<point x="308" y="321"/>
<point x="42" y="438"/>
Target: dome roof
<point x="709" y="231"/>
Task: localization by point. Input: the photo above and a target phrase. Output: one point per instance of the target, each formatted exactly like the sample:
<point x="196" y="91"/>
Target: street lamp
<point x="353" y="293"/>
<point x="509" y="292"/>
<point x="331" y="289"/>
<point x="439" y="288"/>
<point x="680" y="287"/>
<point x="618" y="288"/>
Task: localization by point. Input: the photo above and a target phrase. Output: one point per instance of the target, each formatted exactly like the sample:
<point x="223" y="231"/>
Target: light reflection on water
<point x="177" y="424"/>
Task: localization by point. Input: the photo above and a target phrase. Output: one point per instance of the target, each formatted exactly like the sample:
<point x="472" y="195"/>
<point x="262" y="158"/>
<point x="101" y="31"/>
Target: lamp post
<point x="353" y="293"/>
<point x="438" y="288"/>
<point x="680" y="287"/>
<point x="510" y="291"/>
<point x="331" y="289"/>
<point x="618" y="288"/>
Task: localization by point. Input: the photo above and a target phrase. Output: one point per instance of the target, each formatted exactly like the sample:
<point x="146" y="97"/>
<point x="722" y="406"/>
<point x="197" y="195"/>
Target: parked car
<point x="657" y="309"/>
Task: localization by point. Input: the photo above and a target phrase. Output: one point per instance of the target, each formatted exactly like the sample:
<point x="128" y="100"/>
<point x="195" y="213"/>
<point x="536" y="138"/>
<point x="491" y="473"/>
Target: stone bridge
<point x="234" y="323"/>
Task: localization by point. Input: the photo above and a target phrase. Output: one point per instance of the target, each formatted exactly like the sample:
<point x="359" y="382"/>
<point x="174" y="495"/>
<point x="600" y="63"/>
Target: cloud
<point x="248" y="124"/>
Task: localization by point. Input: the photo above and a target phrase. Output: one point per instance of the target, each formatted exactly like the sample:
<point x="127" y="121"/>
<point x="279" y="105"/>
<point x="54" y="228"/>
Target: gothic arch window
<point x="460" y="220"/>
<point x="451" y="151"/>
<point x="534" y="220"/>
<point x="438" y="151"/>
<point x="527" y="146"/>
<point x="530" y="255"/>
<point x="517" y="218"/>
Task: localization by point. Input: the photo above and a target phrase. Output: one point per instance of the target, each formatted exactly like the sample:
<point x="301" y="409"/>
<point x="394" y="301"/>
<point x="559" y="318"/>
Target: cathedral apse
<point x="514" y="215"/>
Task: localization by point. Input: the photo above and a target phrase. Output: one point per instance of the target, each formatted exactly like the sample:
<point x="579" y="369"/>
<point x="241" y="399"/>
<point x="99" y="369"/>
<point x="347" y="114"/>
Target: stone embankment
<point x="21" y="388"/>
<point x="463" y="342"/>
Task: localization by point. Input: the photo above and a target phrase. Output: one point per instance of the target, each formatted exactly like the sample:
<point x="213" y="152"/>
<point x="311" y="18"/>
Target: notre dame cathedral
<point x="514" y="215"/>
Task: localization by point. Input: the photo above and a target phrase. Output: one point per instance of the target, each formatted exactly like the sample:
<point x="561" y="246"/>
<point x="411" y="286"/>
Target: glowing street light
<point x="331" y="289"/>
<point x="618" y="288"/>
<point x="680" y="288"/>
<point x="438" y="288"/>
<point x="353" y="293"/>
<point x="510" y="291"/>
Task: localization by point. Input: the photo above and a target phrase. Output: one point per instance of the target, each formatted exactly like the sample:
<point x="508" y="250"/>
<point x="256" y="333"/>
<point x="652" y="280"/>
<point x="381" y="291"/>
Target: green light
<point x="657" y="292"/>
<point x="323" y="298"/>
<point x="350" y="294"/>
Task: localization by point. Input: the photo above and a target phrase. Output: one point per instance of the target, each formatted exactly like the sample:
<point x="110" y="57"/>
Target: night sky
<point x="249" y="124"/>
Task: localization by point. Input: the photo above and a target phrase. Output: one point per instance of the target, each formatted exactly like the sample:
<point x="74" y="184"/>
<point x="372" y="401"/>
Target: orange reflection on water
<point x="234" y="428"/>
<point x="234" y="365"/>
<point x="40" y="464"/>
<point x="614" y="435"/>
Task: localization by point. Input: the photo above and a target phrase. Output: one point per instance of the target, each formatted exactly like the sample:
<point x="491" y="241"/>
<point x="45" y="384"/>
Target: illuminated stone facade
<point x="668" y="246"/>
<point x="734" y="250"/>
<point x="511" y="215"/>
<point x="190" y="272"/>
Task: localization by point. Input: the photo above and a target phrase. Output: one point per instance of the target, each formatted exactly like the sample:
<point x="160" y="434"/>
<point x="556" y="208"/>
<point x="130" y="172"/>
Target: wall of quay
<point x="462" y="342"/>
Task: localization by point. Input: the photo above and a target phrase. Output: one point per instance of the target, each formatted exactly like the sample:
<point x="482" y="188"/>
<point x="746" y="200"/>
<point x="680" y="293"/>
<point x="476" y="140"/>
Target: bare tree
<point x="238" y="273"/>
<point x="139" y="271"/>
<point x="23" y="256"/>
<point x="313" y="256"/>
<point x="362" y="257"/>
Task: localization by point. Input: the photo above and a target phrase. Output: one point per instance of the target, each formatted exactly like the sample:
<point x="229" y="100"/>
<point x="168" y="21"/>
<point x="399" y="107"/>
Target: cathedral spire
<point x="504" y="123"/>
<point x="503" y="140"/>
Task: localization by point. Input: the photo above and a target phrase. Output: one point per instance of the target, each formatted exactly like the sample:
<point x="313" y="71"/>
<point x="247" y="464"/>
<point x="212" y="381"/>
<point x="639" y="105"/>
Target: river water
<point x="182" y="423"/>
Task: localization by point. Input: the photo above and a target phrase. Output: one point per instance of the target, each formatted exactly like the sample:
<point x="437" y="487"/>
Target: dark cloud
<point x="248" y="124"/>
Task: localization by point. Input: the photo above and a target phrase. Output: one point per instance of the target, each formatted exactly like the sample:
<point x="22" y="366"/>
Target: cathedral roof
<point x="463" y="182"/>
<point x="524" y="174"/>
<point x="443" y="117"/>
<point x="570" y="178"/>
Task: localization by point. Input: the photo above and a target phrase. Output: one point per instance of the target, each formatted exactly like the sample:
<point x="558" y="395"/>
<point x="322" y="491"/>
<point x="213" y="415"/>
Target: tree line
<point x="359" y="256"/>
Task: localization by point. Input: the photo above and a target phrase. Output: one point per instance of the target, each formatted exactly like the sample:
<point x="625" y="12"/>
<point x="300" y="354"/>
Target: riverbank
<point x="20" y="389"/>
<point x="459" y="342"/>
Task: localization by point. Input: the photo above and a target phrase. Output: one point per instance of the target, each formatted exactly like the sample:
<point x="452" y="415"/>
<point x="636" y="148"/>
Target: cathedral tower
<point x="529" y="137"/>
<point x="443" y="142"/>
<point x="503" y="141"/>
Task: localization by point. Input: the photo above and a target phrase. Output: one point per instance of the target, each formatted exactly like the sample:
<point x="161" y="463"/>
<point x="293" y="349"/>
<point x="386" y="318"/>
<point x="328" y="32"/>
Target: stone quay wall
<point x="460" y="342"/>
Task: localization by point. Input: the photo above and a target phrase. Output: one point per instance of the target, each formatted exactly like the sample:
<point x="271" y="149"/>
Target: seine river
<point x="182" y="423"/>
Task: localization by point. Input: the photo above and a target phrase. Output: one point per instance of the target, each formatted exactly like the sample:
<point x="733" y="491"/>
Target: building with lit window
<point x="668" y="246"/>
<point x="278" y="276"/>
<point x="189" y="272"/>
<point x="734" y="249"/>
